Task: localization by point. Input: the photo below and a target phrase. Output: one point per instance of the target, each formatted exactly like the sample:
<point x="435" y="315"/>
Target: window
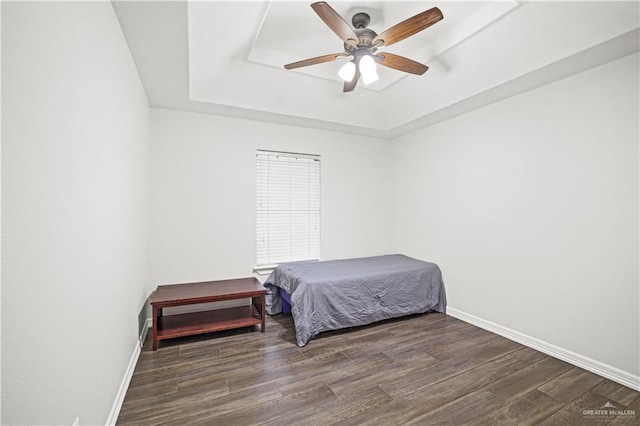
<point x="287" y="207"/>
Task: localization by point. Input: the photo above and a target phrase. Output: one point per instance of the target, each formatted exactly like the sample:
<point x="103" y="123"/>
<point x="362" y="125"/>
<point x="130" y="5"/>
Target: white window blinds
<point x="287" y="207"/>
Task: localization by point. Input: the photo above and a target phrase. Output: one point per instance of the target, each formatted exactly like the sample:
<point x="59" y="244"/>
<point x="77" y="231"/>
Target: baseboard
<point x="124" y="385"/>
<point x="619" y="376"/>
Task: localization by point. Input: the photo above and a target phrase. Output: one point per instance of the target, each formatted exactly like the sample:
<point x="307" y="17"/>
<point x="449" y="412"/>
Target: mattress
<point x="335" y="294"/>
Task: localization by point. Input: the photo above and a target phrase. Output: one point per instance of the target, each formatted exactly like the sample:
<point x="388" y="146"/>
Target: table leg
<point x="154" y="329"/>
<point x="263" y="311"/>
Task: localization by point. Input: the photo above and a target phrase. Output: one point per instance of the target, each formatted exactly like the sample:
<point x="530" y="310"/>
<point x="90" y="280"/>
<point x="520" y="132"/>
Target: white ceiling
<point x="227" y="57"/>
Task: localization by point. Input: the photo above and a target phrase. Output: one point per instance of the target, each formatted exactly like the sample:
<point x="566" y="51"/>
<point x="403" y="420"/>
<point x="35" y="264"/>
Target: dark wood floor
<point x="426" y="369"/>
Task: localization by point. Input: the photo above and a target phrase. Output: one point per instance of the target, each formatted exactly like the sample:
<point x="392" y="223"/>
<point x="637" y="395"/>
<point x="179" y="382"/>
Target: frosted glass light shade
<point x="347" y="71"/>
<point x="369" y="77"/>
<point x="368" y="70"/>
<point x="367" y="64"/>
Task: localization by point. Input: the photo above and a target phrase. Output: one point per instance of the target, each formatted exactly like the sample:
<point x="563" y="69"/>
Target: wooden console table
<point x="170" y="326"/>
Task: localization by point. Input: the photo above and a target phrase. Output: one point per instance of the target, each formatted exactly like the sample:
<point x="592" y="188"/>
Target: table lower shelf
<point x="180" y="325"/>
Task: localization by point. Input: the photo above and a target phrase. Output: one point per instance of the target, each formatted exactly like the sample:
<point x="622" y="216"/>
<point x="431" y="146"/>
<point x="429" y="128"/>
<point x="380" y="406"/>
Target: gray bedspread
<point x="329" y="295"/>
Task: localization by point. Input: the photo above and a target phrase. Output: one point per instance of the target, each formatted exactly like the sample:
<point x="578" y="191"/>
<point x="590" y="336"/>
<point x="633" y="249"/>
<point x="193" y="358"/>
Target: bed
<point x="335" y="294"/>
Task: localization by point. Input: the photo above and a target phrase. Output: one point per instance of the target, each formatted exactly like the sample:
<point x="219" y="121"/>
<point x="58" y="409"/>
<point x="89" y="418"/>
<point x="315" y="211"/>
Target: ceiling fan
<point x="362" y="43"/>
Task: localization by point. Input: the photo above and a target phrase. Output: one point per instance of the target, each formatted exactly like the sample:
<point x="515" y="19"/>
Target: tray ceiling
<point x="227" y="57"/>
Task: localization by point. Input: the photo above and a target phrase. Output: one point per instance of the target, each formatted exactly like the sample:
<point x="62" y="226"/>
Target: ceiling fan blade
<point x="314" y="61"/>
<point x="409" y="27"/>
<point x="400" y="63"/>
<point x="335" y="22"/>
<point x="350" y="85"/>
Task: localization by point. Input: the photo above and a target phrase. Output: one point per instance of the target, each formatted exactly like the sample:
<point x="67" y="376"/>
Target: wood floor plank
<point x="630" y="415"/>
<point x="312" y="371"/>
<point x="164" y="359"/>
<point x="159" y="407"/>
<point x="530" y="355"/>
<point x="288" y="409"/>
<point x="421" y="369"/>
<point x="455" y="390"/>
<point x="155" y="389"/>
<point x="433" y="395"/>
<point x="454" y="348"/>
<point x="416" y="377"/>
<point x="273" y="367"/>
<point x="395" y="412"/>
<point x="573" y="414"/>
<point x="528" y="378"/>
<point x="527" y="409"/>
<point x="570" y="385"/>
<point x="482" y="353"/>
<point x="201" y="378"/>
<point x="365" y="375"/>
<point x="190" y="412"/>
<point x="348" y="406"/>
<point x="461" y="410"/>
<point x="158" y="375"/>
<point x="615" y="392"/>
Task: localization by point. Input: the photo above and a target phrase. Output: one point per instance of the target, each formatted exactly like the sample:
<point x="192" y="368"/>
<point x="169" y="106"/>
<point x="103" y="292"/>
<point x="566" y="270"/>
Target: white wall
<point x="203" y="193"/>
<point x="75" y="202"/>
<point x="530" y="207"/>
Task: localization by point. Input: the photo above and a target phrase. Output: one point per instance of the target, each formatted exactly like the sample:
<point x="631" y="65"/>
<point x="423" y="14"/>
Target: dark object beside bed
<point x="329" y="295"/>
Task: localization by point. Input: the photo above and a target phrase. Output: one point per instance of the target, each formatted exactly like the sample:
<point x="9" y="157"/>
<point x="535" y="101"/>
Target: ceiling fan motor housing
<point x="365" y="35"/>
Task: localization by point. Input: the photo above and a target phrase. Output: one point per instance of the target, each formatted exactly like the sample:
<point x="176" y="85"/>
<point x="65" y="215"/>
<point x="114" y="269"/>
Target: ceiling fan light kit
<point x="362" y="43"/>
<point x="347" y="71"/>
<point x="368" y="69"/>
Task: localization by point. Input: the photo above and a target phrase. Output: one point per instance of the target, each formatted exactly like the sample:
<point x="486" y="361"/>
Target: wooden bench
<point x="179" y="325"/>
